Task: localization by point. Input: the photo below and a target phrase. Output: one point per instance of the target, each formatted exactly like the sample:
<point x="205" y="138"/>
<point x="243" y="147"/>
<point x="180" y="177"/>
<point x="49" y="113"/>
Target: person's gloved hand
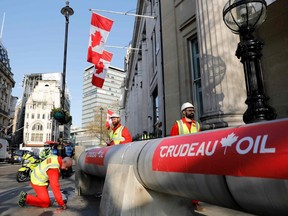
<point x="59" y="210"/>
<point x="63" y="207"/>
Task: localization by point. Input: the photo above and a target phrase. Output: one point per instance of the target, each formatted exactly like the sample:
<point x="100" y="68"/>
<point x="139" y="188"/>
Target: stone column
<point x="223" y="81"/>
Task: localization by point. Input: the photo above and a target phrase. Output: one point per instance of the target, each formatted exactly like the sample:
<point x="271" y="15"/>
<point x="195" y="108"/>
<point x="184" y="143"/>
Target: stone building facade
<point x="7" y="101"/>
<point x="186" y="53"/>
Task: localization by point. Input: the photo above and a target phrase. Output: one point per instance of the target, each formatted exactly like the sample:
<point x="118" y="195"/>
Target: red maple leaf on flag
<point x="96" y="38"/>
<point x="99" y="67"/>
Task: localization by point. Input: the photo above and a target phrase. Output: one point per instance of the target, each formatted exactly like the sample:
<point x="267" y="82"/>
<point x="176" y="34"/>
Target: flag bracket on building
<point x="125" y="13"/>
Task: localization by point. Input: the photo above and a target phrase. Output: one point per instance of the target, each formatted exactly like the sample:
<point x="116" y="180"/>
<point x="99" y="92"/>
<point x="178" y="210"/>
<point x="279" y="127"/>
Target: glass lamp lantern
<point x="243" y="16"/>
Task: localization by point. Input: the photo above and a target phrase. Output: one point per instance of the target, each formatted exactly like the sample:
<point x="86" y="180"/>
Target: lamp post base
<point x="249" y="53"/>
<point x="258" y="110"/>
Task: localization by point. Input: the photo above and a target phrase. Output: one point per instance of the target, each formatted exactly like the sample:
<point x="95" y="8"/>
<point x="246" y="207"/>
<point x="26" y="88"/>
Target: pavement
<point x="83" y="205"/>
<point x="77" y="205"/>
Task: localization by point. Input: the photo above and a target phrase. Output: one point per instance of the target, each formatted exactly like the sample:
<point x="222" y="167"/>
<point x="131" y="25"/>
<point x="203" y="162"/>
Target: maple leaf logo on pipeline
<point x="242" y="146"/>
<point x="227" y="142"/>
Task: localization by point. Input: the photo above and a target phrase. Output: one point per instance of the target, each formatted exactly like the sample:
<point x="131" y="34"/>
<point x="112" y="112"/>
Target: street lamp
<point x="67" y="12"/>
<point x="101" y="109"/>
<point x="242" y="17"/>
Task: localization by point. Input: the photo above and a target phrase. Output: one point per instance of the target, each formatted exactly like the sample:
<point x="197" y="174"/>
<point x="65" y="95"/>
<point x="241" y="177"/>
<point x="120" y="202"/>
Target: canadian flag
<point x="99" y="31"/>
<point x="100" y="70"/>
<point x="108" y="120"/>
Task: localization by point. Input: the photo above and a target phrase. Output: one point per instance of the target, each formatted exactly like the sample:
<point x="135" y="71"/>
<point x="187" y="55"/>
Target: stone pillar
<point x="223" y="81"/>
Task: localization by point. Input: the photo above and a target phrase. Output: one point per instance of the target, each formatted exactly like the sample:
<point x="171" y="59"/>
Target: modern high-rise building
<point x="98" y="100"/>
<point x="107" y="97"/>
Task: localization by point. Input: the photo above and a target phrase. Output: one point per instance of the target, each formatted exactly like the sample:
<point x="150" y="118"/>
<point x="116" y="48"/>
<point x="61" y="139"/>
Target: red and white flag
<point x="108" y="120"/>
<point x="99" y="31"/>
<point x="100" y="70"/>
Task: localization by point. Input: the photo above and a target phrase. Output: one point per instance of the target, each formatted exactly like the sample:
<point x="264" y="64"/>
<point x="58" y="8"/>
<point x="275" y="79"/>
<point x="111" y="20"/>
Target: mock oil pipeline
<point x="220" y="167"/>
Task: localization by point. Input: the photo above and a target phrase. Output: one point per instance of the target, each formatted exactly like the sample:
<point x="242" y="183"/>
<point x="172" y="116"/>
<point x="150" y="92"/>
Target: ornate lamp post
<point x="242" y="17"/>
<point x="60" y="114"/>
<point x="67" y="12"/>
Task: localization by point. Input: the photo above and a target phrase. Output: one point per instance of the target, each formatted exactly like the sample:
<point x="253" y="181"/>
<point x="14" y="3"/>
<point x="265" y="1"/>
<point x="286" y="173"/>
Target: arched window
<point x="37" y="127"/>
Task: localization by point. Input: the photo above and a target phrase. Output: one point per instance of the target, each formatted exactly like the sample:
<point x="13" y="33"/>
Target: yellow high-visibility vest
<point x="39" y="174"/>
<point x="45" y="153"/>
<point x="183" y="129"/>
<point x="117" y="135"/>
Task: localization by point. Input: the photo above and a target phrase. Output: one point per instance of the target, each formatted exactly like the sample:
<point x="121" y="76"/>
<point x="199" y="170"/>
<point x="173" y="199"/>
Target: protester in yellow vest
<point x="119" y="134"/>
<point x="47" y="171"/>
<point x="187" y="125"/>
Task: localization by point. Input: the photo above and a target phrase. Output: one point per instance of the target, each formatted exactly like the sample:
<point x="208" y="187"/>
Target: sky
<point x="34" y="34"/>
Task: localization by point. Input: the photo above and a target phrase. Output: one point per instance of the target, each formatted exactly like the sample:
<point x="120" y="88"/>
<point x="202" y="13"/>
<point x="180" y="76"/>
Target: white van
<point x="3" y="150"/>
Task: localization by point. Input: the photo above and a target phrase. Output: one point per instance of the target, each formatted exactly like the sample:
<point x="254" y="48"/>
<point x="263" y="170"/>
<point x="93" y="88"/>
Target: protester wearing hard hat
<point x="119" y="134"/>
<point x="187" y="125"/>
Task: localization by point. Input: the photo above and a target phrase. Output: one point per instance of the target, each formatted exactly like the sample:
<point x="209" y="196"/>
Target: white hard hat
<point x="115" y="115"/>
<point x="186" y="105"/>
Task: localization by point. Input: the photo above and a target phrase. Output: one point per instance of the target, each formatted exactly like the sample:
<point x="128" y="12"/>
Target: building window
<point x="48" y="136"/>
<point x="155" y="106"/>
<point x="154" y="41"/>
<point x="37" y="137"/>
<point x="153" y="50"/>
<point x="37" y="127"/>
<point x="43" y="116"/>
<point x="196" y="76"/>
<point x="27" y="137"/>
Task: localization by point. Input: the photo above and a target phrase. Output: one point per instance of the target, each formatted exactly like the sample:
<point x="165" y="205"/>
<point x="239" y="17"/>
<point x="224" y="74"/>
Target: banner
<point x="108" y="119"/>
<point x="100" y="70"/>
<point x="99" y="31"/>
<point x="250" y="151"/>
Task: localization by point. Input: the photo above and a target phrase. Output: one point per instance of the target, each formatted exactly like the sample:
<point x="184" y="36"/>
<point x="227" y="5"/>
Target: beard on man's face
<point x="115" y="123"/>
<point x="189" y="115"/>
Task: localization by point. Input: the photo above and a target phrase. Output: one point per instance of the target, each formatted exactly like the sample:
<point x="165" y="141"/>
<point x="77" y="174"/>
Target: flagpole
<point x="2" y="27"/>
<point x="122" y="47"/>
<point x="124" y="13"/>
